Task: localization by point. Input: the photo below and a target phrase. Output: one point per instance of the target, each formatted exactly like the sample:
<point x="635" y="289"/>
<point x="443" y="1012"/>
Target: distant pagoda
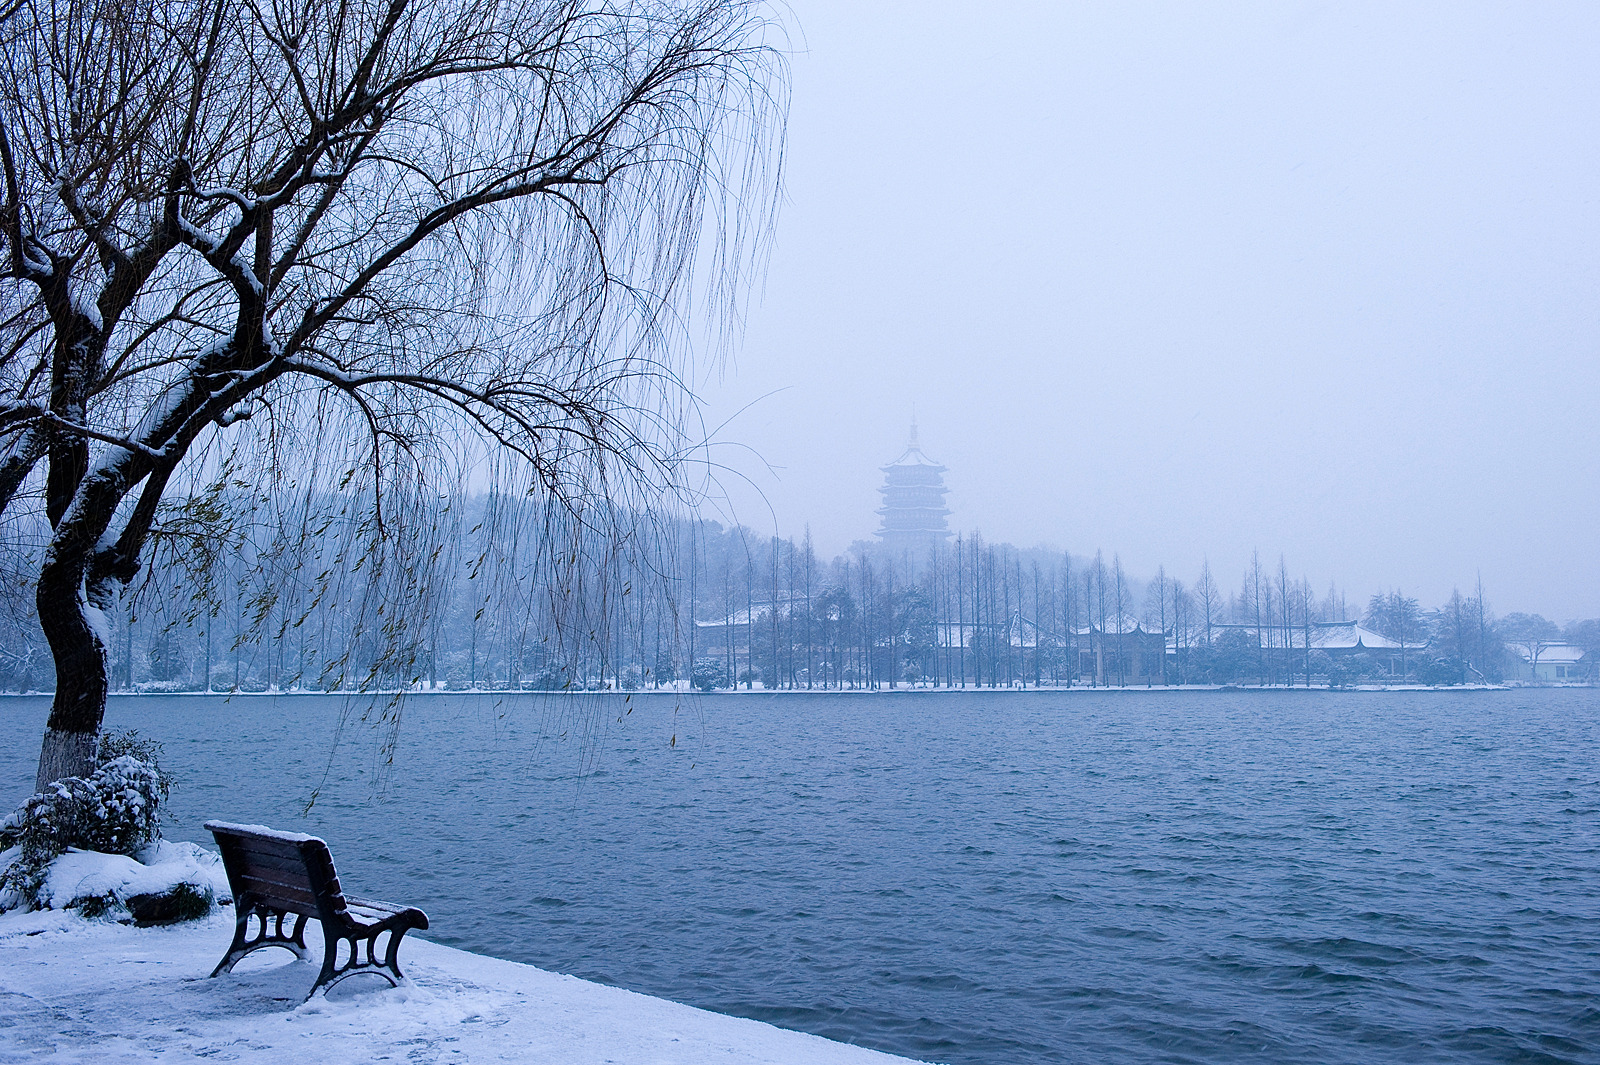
<point x="913" y="508"/>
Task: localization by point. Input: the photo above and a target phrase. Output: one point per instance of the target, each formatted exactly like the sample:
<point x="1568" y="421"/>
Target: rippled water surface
<point x="1000" y="878"/>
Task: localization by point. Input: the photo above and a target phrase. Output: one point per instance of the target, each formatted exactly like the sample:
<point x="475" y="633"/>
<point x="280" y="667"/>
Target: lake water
<point x="1002" y="878"/>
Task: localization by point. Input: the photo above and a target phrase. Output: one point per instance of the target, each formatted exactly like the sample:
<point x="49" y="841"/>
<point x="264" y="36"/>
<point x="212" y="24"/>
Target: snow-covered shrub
<point x="548" y="679"/>
<point x="114" y="745"/>
<point x="708" y="674"/>
<point x="1442" y="670"/>
<point x="181" y="902"/>
<point x="114" y="811"/>
<point x="168" y="882"/>
<point x="95" y="907"/>
<point x="163" y="687"/>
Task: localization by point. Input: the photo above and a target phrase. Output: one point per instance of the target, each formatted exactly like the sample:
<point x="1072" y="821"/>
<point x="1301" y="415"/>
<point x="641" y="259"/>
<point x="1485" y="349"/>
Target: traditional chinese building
<point x="913" y="510"/>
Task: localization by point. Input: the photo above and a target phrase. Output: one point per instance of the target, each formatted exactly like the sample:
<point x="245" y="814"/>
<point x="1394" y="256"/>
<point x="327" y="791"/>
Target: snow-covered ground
<point x="95" y="991"/>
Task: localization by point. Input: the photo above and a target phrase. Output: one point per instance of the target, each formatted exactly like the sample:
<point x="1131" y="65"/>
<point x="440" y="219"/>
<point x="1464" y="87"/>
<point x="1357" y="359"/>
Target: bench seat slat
<point x="374" y="905"/>
<point x="371" y="911"/>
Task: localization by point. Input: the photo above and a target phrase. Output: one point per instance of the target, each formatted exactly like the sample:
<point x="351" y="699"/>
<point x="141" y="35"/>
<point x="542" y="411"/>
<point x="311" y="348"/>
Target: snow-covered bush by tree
<point x="114" y="811"/>
<point x="114" y="745"/>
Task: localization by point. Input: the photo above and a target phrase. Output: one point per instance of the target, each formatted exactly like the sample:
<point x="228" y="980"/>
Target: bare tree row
<point x="467" y="594"/>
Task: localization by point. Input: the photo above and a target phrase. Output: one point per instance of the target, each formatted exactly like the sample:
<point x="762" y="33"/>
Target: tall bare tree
<point x="1182" y="628"/>
<point x="358" y="227"/>
<point x="1157" y="599"/>
<point x="1122" y="600"/>
<point x="1209" y="599"/>
<point x="1255" y="590"/>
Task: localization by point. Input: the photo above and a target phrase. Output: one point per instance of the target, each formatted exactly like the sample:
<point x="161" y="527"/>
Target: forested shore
<point x="501" y="592"/>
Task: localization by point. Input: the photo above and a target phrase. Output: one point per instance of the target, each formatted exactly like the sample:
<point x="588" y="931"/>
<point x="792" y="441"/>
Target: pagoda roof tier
<point x="919" y="536"/>
<point x="919" y="477"/>
<point x="913" y="458"/>
<point x="939" y="511"/>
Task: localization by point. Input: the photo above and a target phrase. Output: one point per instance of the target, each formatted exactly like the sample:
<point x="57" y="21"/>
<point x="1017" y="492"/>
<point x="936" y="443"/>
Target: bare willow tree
<point x="364" y="227"/>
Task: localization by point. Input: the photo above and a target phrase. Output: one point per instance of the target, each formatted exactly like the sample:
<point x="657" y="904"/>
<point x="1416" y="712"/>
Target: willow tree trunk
<point x="76" y="635"/>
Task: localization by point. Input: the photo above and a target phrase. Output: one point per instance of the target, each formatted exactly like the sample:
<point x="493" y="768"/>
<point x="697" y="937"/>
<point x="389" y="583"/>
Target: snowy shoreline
<point x="96" y="991"/>
<point x="679" y="693"/>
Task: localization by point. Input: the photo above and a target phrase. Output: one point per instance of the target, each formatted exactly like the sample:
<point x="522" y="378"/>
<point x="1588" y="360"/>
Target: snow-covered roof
<point x="1551" y="654"/>
<point x="913" y="454"/>
<point x="1125" y="625"/>
<point x="1325" y="635"/>
<point x="1019" y="631"/>
<point x="761" y="610"/>
<point x="1347" y="635"/>
<point x="738" y="617"/>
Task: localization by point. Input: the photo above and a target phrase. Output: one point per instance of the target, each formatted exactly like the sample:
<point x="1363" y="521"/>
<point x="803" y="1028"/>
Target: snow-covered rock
<point x="89" y="874"/>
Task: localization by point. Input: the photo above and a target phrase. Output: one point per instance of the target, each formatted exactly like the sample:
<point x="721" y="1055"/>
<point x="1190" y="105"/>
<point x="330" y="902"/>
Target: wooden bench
<point x="276" y="874"/>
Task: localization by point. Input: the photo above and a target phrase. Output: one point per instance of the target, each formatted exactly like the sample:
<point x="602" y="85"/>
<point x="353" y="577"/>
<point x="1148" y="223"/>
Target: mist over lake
<point x="973" y="877"/>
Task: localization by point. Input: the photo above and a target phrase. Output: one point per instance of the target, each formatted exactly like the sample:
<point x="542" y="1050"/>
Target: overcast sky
<point x="1183" y="280"/>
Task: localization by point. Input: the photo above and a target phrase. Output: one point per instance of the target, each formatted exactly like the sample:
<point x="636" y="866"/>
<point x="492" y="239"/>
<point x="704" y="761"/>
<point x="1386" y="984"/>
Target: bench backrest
<point x="286" y="870"/>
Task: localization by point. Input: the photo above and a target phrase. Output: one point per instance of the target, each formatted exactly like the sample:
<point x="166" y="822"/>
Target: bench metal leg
<point x="270" y="933"/>
<point x="351" y="944"/>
